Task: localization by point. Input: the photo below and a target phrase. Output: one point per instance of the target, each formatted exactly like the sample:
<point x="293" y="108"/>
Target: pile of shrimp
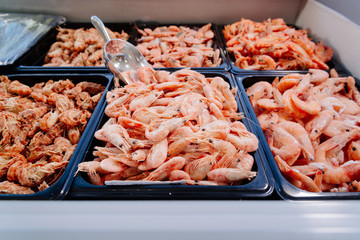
<point x="178" y="126"/>
<point x="311" y="125"/>
<point x="177" y="47"/>
<point x="79" y="47"/>
<point x="40" y="127"/>
<point x="272" y="45"/>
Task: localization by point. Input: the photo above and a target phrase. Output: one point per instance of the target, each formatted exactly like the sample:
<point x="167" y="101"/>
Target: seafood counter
<point x="231" y="111"/>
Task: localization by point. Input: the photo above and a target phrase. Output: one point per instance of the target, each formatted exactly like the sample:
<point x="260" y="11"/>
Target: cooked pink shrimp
<point x="117" y="135"/>
<point x="217" y="129"/>
<point x="177" y="175"/>
<point x="258" y="91"/>
<point x="306" y="182"/>
<point x="243" y="140"/>
<point x="199" y="168"/>
<point x="309" y="106"/>
<point x="337" y="127"/>
<point x="93" y="175"/>
<point x="319" y="123"/>
<point x="265" y="119"/>
<point x="284" y="144"/>
<point x="246" y="161"/>
<point x="179" y="145"/>
<point x="163" y="171"/>
<point x="144" y="100"/>
<point x="288" y="82"/>
<point x="318" y="76"/>
<point x="334" y="144"/>
<point x="353" y="151"/>
<point x="192" y="105"/>
<point x="139" y="155"/>
<point x="302" y="136"/>
<point x="112" y="165"/>
<point x="230" y="174"/>
<point x="156" y="156"/>
<point x="164" y="129"/>
<point x="347" y="172"/>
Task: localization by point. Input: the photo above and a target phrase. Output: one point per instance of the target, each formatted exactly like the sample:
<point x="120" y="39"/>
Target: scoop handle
<point x="99" y="25"/>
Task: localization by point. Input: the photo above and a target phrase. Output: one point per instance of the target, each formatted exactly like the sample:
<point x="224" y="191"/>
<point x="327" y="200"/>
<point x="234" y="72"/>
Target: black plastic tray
<point x="239" y="71"/>
<point x="34" y="59"/>
<point x="283" y="188"/>
<point x="59" y="189"/>
<point x="224" y="66"/>
<point x="259" y="188"/>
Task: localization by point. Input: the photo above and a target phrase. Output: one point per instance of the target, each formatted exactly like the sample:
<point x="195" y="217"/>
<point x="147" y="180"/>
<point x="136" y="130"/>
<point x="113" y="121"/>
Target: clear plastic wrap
<point x="19" y="32"/>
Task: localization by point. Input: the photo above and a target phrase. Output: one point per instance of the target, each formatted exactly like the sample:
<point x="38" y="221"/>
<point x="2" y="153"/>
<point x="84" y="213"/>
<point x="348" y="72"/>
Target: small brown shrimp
<point x="33" y="174"/>
<point x="84" y="101"/>
<point x="70" y="117"/>
<point x="63" y="103"/>
<point x="90" y="87"/>
<point x="73" y="135"/>
<point x="39" y="97"/>
<point x="49" y="120"/>
<point x="19" y="88"/>
<point x="7" y="187"/>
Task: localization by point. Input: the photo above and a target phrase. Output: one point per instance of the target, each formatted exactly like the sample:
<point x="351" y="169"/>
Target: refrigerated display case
<point x="181" y="216"/>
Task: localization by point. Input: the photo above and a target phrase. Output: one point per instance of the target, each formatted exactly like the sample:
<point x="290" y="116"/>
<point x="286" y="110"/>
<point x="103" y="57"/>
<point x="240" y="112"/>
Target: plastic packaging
<point x="19" y="32"/>
<point x="259" y="188"/>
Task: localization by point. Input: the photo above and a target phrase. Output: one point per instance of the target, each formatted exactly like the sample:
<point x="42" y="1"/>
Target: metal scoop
<point x="119" y="55"/>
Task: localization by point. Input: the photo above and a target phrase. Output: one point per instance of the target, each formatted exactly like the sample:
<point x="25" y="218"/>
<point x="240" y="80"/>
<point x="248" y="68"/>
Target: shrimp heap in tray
<point x="40" y="127"/>
<point x="79" y="47"/>
<point x="176" y="47"/>
<point x="178" y="126"/>
<point x="272" y="45"/>
<point x="311" y="124"/>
